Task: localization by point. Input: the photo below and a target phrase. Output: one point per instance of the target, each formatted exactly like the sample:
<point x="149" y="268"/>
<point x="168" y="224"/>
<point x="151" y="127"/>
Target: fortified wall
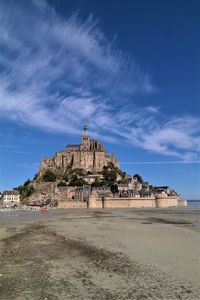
<point x="108" y="202"/>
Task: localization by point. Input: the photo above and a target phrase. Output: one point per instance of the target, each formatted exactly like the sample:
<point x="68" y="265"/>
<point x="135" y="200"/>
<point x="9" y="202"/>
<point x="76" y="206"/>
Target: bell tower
<point x="85" y="140"/>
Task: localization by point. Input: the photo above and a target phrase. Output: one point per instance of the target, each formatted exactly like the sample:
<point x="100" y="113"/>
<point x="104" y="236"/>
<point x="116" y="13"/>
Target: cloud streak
<point x="57" y="72"/>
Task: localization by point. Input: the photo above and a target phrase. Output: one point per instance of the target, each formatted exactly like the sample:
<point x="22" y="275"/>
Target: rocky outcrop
<point x="50" y="191"/>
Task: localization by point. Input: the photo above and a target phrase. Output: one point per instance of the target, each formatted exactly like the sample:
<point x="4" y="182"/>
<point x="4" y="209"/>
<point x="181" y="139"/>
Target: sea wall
<point x="108" y="203"/>
<point x="182" y="202"/>
<point x="128" y="202"/>
<point x="123" y="203"/>
<point x="94" y="201"/>
<point x="166" y="201"/>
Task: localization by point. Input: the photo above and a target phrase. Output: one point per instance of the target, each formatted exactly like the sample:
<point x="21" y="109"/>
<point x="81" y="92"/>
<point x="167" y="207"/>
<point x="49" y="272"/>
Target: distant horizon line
<point x="159" y="162"/>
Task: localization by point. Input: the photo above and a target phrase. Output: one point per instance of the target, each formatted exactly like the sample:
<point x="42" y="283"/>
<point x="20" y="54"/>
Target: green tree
<point x="19" y="188"/>
<point x="110" y="174"/>
<point x="61" y="183"/>
<point x="65" y="177"/>
<point x="75" y="181"/>
<point x="97" y="183"/>
<point x="139" y="178"/>
<point x="122" y="174"/>
<point x="27" y="182"/>
<point x="35" y="176"/>
<point x="30" y="190"/>
<point x="25" y="191"/>
<point x="110" y="165"/>
<point x="114" y="188"/>
<point x="49" y="176"/>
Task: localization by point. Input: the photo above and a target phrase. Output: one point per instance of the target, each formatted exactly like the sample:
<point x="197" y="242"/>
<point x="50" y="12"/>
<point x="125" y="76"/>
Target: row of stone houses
<point x="134" y="184"/>
<point x="82" y="193"/>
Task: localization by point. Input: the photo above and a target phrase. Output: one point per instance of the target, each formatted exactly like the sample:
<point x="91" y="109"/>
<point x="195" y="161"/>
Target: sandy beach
<point x="100" y="254"/>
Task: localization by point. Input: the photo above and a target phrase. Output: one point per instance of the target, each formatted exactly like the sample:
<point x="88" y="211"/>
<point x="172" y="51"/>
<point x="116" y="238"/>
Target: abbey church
<point x="90" y="155"/>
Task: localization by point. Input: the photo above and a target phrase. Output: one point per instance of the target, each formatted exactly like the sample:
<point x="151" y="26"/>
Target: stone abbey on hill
<point x="86" y="176"/>
<point x="90" y="155"/>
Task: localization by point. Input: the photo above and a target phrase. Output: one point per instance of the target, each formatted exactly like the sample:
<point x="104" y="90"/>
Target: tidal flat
<point x="100" y="254"/>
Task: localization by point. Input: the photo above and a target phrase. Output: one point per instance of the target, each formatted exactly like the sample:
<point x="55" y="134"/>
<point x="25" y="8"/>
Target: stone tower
<point x="85" y="140"/>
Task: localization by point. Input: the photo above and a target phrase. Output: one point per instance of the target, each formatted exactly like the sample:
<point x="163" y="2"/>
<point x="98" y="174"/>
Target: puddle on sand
<point x="197" y="225"/>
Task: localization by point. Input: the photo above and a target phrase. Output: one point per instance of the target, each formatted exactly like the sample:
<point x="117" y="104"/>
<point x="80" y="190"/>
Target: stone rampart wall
<point x="108" y="203"/>
<point x="128" y="202"/>
<point x="123" y="203"/>
<point x="166" y="202"/>
<point x="182" y="202"/>
<point x="94" y="202"/>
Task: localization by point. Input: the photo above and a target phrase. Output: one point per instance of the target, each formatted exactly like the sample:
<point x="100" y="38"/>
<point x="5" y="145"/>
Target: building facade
<point x="11" y="197"/>
<point x="90" y="155"/>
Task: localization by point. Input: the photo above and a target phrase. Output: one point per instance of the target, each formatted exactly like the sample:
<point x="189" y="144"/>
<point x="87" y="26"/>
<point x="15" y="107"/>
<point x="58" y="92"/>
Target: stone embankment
<point x="115" y="202"/>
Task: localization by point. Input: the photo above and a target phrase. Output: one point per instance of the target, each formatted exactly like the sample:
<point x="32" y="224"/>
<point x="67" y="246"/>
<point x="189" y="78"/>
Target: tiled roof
<point x="71" y="145"/>
<point x="11" y="193"/>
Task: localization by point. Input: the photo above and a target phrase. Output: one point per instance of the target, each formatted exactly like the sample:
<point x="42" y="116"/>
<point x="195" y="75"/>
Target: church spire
<point x="85" y="128"/>
<point x="85" y="141"/>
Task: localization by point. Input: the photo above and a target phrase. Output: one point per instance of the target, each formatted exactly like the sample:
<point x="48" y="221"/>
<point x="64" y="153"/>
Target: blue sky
<point x="130" y="68"/>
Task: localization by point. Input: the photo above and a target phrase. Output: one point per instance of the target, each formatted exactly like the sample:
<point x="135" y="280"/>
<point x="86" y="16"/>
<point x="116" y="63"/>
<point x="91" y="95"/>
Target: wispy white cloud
<point x="178" y="137"/>
<point x="57" y="72"/>
<point x="152" y="109"/>
<point x="49" y="65"/>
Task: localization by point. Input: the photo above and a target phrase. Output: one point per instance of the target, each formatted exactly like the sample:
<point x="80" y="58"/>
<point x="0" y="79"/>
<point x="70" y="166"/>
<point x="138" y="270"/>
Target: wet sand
<point x="100" y="254"/>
